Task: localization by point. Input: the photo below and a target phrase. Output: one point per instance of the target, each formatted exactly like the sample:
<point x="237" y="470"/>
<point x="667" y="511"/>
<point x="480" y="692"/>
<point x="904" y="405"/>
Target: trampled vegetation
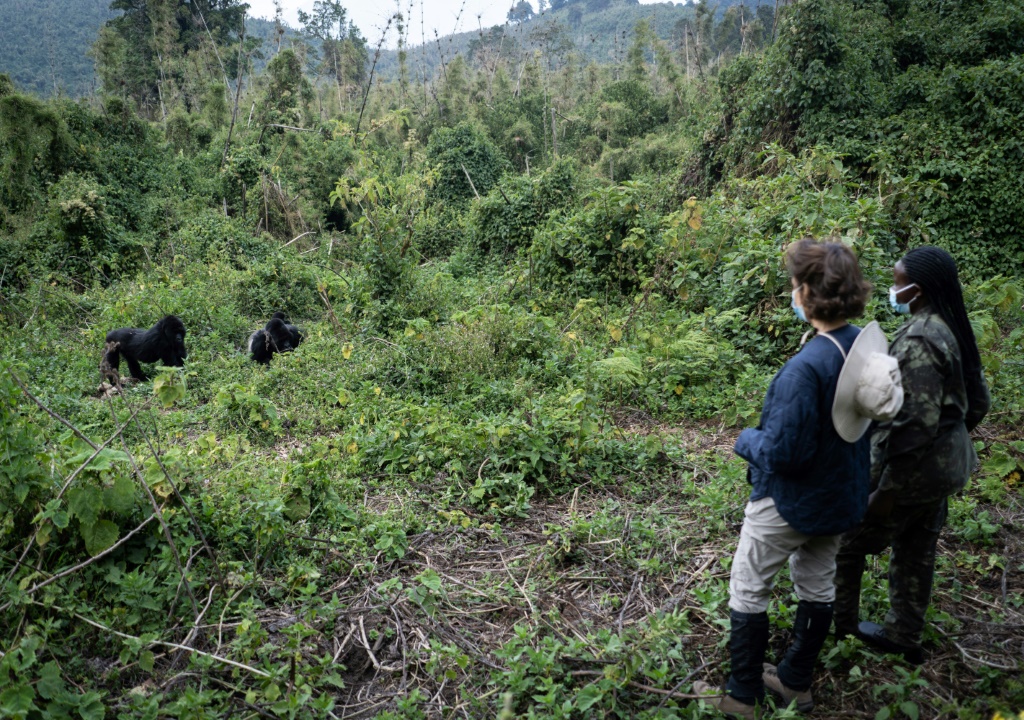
<point x="539" y="297"/>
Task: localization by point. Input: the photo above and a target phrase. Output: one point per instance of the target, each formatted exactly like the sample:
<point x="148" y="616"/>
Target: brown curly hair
<point x="834" y="288"/>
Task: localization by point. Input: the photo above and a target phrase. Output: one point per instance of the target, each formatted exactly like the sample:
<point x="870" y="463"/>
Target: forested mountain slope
<point x="600" y="31"/>
<point x="44" y="43"/>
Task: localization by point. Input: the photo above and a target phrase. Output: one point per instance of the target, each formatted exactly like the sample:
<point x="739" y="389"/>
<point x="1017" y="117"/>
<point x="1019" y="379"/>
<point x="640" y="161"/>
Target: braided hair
<point x="934" y="271"/>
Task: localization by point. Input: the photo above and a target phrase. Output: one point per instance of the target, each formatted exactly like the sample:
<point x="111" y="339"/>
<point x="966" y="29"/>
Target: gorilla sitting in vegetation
<point x="296" y="333"/>
<point x="164" y="343"/>
<point x="276" y="336"/>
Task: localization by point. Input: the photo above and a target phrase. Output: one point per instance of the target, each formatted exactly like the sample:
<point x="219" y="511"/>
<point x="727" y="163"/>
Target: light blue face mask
<point x="902" y="308"/>
<point x="797" y="309"/>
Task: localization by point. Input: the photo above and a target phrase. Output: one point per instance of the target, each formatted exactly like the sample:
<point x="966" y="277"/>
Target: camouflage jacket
<point x="926" y="453"/>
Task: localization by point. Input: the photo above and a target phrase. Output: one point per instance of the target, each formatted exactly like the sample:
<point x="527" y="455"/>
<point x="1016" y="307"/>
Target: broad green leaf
<point x="999" y="462"/>
<point x="146" y="660"/>
<point x="90" y="707"/>
<point x="120" y="497"/>
<point x="588" y="696"/>
<point x="43" y="536"/>
<point x="297" y="507"/>
<point x="50" y="682"/>
<point x="99" y="536"/>
<point x="60" y="519"/>
<point x="169" y="388"/>
<point x="910" y="709"/>
<point x="104" y="460"/>
<point x="17" y="701"/>
<point x="85" y="503"/>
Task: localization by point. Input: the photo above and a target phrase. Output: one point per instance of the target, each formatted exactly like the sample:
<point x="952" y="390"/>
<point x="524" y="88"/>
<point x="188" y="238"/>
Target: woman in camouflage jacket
<point x="920" y="458"/>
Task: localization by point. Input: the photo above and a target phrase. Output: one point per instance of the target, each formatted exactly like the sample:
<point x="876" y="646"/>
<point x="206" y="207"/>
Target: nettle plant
<point x="387" y="207"/>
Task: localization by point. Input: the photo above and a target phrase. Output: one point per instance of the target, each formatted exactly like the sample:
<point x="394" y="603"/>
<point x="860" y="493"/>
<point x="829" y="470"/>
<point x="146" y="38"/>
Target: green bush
<point x="453" y="152"/>
<point x="77" y="237"/>
<point x="931" y="96"/>
<point x="629" y="109"/>
<point x="603" y="249"/>
<point x="211" y="237"/>
<point x="438" y="230"/>
<point x="506" y="219"/>
<point x="278" y="283"/>
<point x="26" y="484"/>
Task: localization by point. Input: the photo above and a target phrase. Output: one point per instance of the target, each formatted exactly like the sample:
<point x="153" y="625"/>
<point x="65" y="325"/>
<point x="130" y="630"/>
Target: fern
<point x="619" y="370"/>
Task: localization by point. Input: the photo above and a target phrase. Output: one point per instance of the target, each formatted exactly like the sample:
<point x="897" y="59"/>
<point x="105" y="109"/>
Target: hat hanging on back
<point x="869" y="386"/>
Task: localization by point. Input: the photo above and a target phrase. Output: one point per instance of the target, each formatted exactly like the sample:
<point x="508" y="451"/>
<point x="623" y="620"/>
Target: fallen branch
<point x="162" y="643"/>
<point x="298" y="237"/>
<point x="640" y="686"/>
<point x="86" y="563"/>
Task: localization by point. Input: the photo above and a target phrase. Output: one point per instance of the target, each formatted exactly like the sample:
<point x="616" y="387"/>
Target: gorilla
<point x="164" y="343"/>
<point x="296" y="334"/>
<point x="276" y="336"/>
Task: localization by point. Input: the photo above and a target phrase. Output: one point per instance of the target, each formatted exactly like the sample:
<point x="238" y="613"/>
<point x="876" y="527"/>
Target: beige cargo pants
<point x="766" y="543"/>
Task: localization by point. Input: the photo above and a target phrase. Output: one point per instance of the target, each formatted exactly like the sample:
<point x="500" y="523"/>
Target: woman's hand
<point x="880" y="504"/>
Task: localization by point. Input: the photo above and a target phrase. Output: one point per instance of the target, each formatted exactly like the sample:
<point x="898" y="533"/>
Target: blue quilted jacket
<point x="818" y="480"/>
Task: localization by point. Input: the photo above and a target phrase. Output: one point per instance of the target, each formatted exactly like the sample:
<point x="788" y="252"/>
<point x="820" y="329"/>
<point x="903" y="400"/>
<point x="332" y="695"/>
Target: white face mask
<point x="902" y="308"/>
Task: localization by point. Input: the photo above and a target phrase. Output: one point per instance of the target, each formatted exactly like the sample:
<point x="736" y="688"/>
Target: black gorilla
<point x="296" y="334"/>
<point x="276" y="336"/>
<point x="164" y="343"/>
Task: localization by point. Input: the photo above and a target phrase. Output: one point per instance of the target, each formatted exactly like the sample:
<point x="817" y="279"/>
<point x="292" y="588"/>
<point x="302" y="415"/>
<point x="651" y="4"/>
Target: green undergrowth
<point x="539" y="299"/>
<point x="499" y="422"/>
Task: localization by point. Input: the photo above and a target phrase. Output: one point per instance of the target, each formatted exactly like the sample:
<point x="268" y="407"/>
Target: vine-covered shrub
<point x="629" y="109"/>
<point x="603" y="248"/>
<point x="26" y="484"/>
<point x="34" y="146"/>
<point x="897" y="89"/>
<point x="438" y="230"/>
<point x="507" y="218"/>
<point x="212" y="237"/>
<point x="76" y="236"/>
<point x="278" y="283"/>
<point x="454" y="152"/>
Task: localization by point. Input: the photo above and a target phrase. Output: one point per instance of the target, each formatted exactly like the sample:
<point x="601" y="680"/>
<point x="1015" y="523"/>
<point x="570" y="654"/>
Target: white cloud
<point x="371" y="17"/>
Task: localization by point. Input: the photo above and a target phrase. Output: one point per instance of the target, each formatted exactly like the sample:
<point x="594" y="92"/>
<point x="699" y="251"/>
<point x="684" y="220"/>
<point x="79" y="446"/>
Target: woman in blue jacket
<point x="809" y="486"/>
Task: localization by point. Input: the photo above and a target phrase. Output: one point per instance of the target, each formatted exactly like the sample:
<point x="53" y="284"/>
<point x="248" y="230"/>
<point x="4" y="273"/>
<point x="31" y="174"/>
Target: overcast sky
<point x="370" y="16"/>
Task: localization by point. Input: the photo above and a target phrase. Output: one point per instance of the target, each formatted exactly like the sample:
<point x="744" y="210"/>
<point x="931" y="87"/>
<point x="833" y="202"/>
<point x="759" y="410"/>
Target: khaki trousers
<point x="766" y="543"/>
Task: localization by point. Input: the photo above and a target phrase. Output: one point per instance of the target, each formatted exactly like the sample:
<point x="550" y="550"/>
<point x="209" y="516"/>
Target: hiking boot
<point x="810" y="628"/>
<point x="874" y="634"/>
<point x="804" y="699"/>
<point x="748" y="641"/>
<point x="726" y="704"/>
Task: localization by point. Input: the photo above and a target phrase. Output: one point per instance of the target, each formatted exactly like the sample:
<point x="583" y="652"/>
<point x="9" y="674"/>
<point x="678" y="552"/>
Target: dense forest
<point x="45" y="45"/>
<point x="539" y="290"/>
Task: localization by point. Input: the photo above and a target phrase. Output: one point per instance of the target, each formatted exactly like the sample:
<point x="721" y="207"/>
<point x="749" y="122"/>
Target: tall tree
<point x="343" y="49"/>
<point x="520" y="12"/>
<point x="139" y="54"/>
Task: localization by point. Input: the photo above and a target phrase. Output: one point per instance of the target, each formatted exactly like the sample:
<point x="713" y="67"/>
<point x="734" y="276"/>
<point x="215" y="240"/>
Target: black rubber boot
<point x="811" y="627"/>
<point x="748" y="641"/>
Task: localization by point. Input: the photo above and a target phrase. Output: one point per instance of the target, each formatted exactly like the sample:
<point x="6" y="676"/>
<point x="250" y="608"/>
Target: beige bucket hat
<point x="869" y="386"/>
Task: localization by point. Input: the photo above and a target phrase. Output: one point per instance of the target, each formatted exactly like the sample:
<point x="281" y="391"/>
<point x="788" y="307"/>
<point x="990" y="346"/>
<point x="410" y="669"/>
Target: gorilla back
<point x="164" y="343"/>
<point x="274" y="337"/>
<point x="295" y="332"/>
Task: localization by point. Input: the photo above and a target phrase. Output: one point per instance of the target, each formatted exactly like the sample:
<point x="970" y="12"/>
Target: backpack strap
<point x="836" y="342"/>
